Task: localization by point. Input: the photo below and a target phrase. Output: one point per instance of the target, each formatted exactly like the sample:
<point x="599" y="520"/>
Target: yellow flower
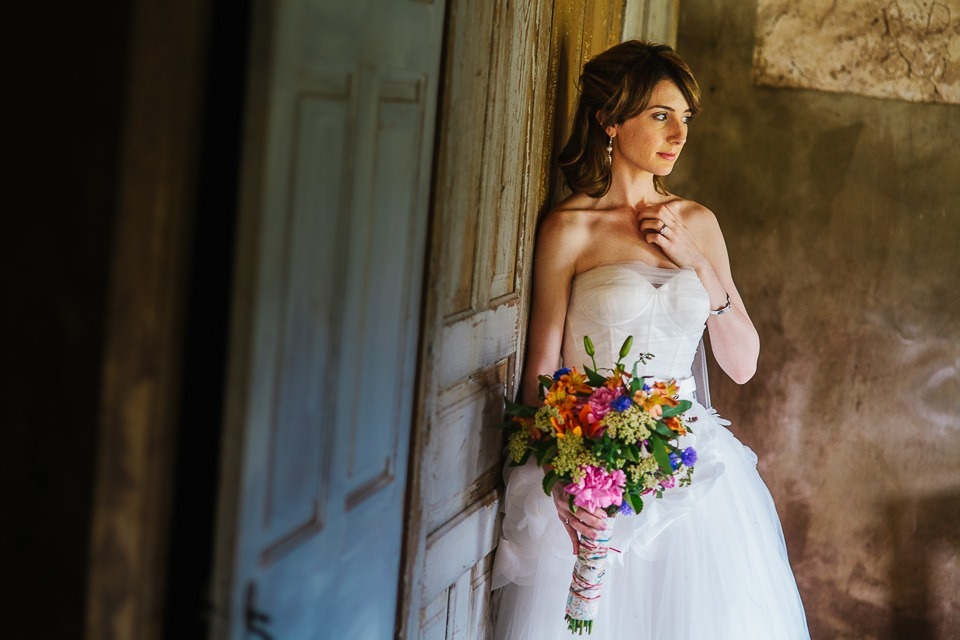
<point x="517" y="445"/>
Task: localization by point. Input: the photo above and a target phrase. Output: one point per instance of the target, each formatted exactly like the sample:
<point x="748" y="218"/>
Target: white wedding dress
<point x="705" y="562"/>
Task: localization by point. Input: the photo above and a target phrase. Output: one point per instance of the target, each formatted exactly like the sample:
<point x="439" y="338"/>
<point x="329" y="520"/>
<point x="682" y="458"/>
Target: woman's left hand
<point x="661" y="226"/>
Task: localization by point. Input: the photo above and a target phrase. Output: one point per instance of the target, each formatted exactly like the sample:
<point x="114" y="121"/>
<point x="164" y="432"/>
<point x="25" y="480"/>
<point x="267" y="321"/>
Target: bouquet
<point x="609" y="438"/>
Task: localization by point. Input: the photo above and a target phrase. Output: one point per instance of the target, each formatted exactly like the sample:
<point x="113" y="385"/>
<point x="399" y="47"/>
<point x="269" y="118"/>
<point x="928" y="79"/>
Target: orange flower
<point x="562" y="428"/>
<point x="591" y="429"/>
<point x="665" y="390"/>
<point x="575" y="382"/>
<point x="675" y="425"/>
<point x="661" y="393"/>
<point x="530" y="425"/>
<point x="560" y="399"/>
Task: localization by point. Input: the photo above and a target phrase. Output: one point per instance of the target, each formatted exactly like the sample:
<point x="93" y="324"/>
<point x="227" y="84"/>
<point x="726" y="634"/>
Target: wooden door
<point x="509" y="67"/>
<point x="338" y="156"/>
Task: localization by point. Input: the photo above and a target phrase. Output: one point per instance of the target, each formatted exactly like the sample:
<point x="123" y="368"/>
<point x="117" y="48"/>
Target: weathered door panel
<point x="493" y="168"/>
<point x="485" y="202"/>
<point x="327" y="319"/>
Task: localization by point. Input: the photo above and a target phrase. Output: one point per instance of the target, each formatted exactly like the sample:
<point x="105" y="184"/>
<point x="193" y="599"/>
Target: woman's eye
<point x="662" y="117"/>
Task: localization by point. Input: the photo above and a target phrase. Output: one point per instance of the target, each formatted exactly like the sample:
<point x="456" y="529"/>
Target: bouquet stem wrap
<point x="583" y="601"/>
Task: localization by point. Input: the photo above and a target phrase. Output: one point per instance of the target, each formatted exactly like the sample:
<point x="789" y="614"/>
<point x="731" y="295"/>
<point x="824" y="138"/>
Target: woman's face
<point x="651" y="141"/>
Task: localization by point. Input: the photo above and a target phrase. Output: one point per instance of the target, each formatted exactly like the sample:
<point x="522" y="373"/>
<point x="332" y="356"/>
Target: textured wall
<point x="841" y="215"/>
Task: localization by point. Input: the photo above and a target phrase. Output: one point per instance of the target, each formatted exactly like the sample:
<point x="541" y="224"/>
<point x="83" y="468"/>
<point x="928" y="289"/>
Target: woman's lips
<point x="667" y="156"/>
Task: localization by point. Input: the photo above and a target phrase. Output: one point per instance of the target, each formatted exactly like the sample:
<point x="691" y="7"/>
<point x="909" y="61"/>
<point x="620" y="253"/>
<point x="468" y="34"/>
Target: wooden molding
<point x="141" y="371"/>
<point x="654" y="20"/>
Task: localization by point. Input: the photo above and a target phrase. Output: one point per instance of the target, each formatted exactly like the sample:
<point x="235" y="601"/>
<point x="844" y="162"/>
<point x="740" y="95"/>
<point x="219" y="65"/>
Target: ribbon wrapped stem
<point x="583" y="600"/>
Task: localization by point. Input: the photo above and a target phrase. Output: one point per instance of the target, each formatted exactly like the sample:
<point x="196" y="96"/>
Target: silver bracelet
<point x="722" y="310"/>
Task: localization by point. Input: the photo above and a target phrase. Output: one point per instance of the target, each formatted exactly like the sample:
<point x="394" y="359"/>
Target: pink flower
<point x="598" y="489"/>
<point x="669" y="482"/>
<point x="600" y="401"/>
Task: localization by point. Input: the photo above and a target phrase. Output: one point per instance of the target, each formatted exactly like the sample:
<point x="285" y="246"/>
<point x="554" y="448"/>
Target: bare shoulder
<point x="693" y="213"/>
<point x="566" y="228"/>
<point x="699" y="220"/>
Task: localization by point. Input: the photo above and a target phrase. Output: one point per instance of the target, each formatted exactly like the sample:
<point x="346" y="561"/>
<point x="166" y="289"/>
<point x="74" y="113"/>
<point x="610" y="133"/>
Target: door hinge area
<point x="254" y="619"/>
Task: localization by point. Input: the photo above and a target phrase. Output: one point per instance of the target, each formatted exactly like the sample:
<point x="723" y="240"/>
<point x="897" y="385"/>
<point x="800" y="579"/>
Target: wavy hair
<point x="617" y="85"/>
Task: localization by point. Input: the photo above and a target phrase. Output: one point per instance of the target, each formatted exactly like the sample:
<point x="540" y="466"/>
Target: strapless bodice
<point x="665" y="310"/>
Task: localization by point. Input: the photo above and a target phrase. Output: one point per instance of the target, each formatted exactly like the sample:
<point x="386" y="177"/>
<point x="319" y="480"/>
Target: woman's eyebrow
<point x="663" y="106"/>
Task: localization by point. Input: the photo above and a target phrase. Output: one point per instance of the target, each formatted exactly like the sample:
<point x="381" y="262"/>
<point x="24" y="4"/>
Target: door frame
<point x="158" y="161"/>
<point x="253" y="149"/>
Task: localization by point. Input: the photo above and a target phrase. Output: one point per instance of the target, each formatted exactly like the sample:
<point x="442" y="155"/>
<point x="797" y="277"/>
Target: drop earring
<point x="610" y="151"/>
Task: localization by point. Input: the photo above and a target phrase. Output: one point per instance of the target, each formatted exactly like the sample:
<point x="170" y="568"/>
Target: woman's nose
<point x="678" y="133"/>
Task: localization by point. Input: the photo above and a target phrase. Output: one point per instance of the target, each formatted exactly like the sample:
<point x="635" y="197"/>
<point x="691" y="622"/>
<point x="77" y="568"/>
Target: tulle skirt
<point x="705" y="562"/>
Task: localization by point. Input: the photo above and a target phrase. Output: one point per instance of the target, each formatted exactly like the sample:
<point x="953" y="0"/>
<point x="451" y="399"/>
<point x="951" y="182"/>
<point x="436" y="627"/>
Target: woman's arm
<point x="733" y="338"/>
<point x="560" y="240"/>
<point x="693" y="239"/>
<point x="554" y="265"/>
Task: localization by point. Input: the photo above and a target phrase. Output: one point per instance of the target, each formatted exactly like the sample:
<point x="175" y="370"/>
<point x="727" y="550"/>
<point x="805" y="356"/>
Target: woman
<point x="623" y="256"/>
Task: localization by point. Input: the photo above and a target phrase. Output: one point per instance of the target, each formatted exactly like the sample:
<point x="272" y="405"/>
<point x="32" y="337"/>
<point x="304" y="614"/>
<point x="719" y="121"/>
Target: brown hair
<point x="617" y="84"/>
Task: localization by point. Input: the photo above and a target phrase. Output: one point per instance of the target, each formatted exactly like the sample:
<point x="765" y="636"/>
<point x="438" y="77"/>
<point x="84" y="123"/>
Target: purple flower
<point x="674" y="461"/>
<point x="621" y="404"/>
<point x="560" y="373"/>
<point x="689" y="456"/>
<point x="626" y="509"/>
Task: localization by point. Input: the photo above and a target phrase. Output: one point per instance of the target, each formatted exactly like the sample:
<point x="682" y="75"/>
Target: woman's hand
<point x="733" y="337"/>
<point x="588" y="523"/>
<point x="661" y="226"/>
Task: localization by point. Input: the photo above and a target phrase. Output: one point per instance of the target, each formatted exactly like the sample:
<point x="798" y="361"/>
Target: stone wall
<point x="841" y="216"/>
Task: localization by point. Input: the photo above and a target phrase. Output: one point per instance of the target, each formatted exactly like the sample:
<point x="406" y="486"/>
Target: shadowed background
<point x="840" y="214"/>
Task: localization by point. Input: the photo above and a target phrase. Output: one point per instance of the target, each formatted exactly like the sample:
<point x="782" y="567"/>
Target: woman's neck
<point x="631" y="189"/>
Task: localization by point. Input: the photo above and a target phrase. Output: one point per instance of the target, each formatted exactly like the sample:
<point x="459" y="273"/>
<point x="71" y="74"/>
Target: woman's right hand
<point x="583" y="522"/>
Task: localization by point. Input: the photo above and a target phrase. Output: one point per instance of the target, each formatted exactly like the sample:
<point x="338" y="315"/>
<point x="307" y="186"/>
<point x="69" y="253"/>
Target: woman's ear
<point x="610" y="129"/>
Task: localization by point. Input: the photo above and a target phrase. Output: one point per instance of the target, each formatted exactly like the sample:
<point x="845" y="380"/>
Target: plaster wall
<point x="841" y="216"/>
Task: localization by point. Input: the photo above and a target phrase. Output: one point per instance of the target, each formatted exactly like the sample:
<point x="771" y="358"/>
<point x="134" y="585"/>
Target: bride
<point x="623" y="256"/>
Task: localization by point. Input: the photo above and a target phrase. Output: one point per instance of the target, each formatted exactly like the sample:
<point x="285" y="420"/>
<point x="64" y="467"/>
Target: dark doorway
<point x="207" y="326"/>
<point x="62" y="66"/>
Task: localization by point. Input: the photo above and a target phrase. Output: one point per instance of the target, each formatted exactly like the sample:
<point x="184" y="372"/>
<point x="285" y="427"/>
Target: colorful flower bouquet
<point x="609" y="439"/>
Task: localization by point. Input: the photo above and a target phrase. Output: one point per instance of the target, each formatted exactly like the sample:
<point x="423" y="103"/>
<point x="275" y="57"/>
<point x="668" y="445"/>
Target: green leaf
<point x="631" y="452"/>
<point x="549" y="454"/>
<point x="669" y="412"/>
<point x="635" y="381"/>
<point x="663" y="430"/>
<point x="662" y="455"/>
<point x="519" y="410"/>
<point x="545" y="450"/>
<point x="549" y="480"/>
<point x="635" y="502"/>
<point x="595" y="378"/>
<point x="545" y="381"/>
